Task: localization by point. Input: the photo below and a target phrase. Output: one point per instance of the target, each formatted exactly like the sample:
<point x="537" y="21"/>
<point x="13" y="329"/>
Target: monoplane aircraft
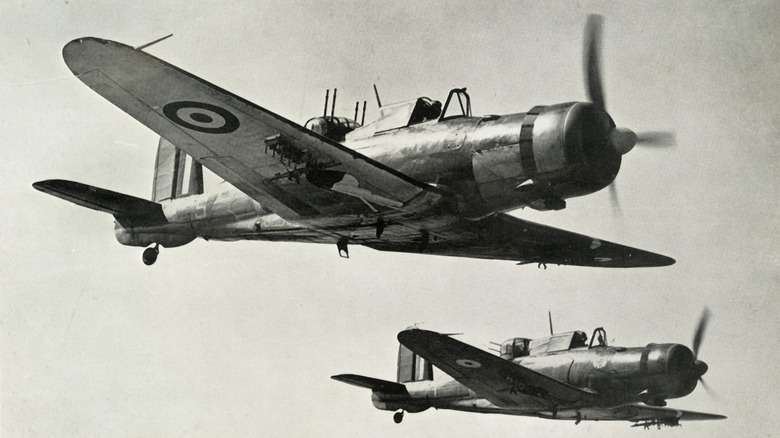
<point x="560" y="377"/>
<point x="422" y="178"/>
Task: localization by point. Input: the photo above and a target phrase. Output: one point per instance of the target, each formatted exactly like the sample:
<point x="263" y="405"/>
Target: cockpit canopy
<point x="400" y="115"/>
<point x="519" y="347"/>
<point x="559" y="342"/>
<point x="411" y="112"/>
<point x="516" y="347"/>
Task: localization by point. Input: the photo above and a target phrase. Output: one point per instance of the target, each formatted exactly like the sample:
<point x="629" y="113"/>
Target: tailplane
<point x="125" y="208"/>
<point x="373" y="384"/>
<point x="395" y="396"/>
<point x="140" y="222"/>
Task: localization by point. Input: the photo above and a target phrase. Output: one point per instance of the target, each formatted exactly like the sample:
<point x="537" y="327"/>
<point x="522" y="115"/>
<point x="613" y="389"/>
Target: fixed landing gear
<point x="343" y="246"/>
<point x="150" y="255"/>
<point x="398" y="417"/>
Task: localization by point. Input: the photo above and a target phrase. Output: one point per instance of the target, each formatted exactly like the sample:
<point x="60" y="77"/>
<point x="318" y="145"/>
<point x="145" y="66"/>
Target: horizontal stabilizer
<point x="372" y="383"/>
<point x="107" y="201"/>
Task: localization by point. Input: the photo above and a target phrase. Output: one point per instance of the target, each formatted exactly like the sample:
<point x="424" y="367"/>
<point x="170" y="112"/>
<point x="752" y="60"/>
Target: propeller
<point x="592" y="60"/>
<point x="700" y="329"/>
<point x="621" y="140"/>
<point x="656" y="139"/>
<point x="700" y="367"/>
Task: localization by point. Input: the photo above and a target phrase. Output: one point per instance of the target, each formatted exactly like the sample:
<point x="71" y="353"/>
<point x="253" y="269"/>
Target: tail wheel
<point x="150" y="255"/>
<point x="398" y="417"/>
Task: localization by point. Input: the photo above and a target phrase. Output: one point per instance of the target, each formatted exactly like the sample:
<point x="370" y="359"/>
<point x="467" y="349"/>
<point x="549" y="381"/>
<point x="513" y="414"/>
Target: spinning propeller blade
<point x="622" y="140"/>
<point x="656" y="139"/>
<point x="592" y="60"/>
<point x="698" y="336"/>
<point x="700" y="329"/>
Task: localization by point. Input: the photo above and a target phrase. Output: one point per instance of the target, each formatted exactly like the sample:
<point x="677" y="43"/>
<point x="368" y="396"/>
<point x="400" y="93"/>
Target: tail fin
<point x="171" y="169"/>
<point x="411" y="367"/>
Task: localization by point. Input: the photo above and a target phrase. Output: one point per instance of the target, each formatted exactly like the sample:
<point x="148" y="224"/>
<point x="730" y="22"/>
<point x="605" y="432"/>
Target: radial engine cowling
<point x="671" y="369"/>
<point x="571" y="147"/>
<point x="560" y="151"/>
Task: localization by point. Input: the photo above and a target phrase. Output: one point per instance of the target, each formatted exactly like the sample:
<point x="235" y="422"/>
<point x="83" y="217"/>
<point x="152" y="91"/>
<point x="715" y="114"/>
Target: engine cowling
<point x="671" y="369"/>
<point x="561" y="151"/>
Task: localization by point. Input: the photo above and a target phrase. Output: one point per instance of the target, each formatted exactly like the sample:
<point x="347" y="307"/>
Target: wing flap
<point x="261" y="153"/>
<point x="498" y="380"/>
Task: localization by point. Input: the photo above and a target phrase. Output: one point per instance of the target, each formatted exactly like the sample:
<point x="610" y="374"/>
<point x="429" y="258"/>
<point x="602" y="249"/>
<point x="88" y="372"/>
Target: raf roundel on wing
<point x="202" y="117"/>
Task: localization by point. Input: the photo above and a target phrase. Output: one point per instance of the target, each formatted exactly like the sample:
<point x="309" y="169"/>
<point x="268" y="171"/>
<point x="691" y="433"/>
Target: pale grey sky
<point x="240" y="339"/>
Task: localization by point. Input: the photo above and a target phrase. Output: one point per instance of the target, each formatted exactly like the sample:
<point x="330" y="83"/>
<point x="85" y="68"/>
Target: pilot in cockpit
<point x="579" y="339"/>
<point x="426" y="109"/>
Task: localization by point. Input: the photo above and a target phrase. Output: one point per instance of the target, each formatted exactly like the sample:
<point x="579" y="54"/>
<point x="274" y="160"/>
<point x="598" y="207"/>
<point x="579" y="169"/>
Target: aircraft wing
<point x="506" y="237"/>
<point x="498" y="380"/>
<point x="644" y="415"/>
<point x="288" y="169"/>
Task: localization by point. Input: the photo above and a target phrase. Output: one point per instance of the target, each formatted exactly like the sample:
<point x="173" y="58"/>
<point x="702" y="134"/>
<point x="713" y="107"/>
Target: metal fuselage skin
<point x="490" y="164"/>
<point x="616" y="376"/>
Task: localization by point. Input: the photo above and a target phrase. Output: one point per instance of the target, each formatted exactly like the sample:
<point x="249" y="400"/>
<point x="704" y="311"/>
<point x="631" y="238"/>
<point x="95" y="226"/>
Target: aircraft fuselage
<point x="491" y="164"/>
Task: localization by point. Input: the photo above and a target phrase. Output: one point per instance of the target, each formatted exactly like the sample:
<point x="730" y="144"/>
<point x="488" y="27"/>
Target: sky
<point x="240" y="339"/>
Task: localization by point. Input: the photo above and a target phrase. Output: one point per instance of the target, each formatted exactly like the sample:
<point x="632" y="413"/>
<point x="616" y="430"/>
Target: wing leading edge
<point x="287" y="168"/>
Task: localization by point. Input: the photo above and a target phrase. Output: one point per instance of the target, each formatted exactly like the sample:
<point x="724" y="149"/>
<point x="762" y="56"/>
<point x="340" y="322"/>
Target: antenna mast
<point x="378" y="102"/>
<point x="333" y="107"/>
<point x="325" y="111"/>
<point x="549" y="316"/>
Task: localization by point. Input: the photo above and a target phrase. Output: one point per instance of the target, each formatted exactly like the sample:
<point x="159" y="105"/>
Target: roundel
<point x="202" y="117"/>
<point x="468" y="363"/>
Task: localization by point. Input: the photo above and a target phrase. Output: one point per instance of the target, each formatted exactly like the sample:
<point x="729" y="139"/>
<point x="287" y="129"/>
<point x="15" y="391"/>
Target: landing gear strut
<point x="398" y="417"/>
<point x="342" y="246"/>
<point x="150" y="254"/>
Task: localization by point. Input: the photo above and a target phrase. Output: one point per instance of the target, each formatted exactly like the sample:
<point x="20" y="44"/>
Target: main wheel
<point x="150" y="255"/>
<point x="398" y="417"/>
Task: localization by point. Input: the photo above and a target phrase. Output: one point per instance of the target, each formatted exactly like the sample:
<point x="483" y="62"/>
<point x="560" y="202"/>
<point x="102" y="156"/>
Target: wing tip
<point x="50" y="185"/>
<point x="412" y="334"/>
<point x="79" y="53"/>
<point x="653" y="260"/>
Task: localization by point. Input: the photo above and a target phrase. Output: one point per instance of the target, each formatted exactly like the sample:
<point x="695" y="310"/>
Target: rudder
<point x="412" y="367"/>
<point x="171" y="169"/>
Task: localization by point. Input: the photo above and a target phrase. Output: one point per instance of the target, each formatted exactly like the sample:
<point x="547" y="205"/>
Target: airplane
<point x="560" y="377"/>
<point x="422" y="178"/>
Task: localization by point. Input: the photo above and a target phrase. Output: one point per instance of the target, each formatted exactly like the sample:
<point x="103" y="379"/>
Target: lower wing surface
<point x="505" y="237"/>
